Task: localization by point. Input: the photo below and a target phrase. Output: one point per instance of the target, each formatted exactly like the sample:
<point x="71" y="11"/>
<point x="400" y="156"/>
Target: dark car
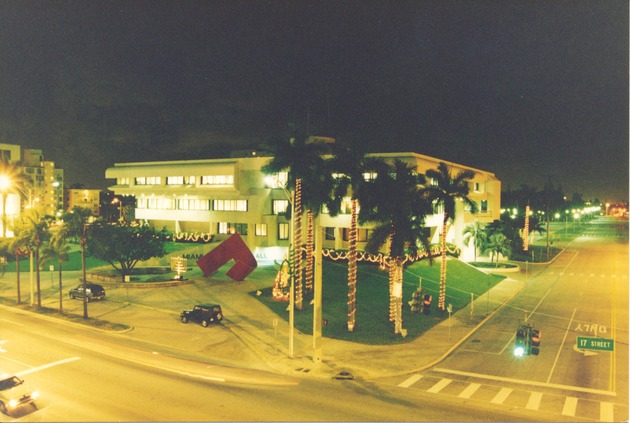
<point x="93" y="292"/>
<point x="203" y="313"/>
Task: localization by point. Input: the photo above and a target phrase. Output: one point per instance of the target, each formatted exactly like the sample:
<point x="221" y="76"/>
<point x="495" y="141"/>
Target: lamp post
<point x="119" y="202"/>
<point x="5" y="183"/>
<point x="274" y="182"/>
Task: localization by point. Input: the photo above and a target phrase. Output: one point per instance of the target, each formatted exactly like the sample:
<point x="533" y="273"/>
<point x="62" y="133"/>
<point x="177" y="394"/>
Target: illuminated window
<point x="192" y="204"/>
<point x="231" y="228"/>
<point x="369" y="176"/>
<point x="279" y="206"/>
<point x="180" y="180"/>
<point x="260" y="229"/>
<point x="217" y="180"/>
<point x="148" y="180"/>
<point x="229" y="205"/>
<point x="283" y="231"/>
<point x="484" y="206"/>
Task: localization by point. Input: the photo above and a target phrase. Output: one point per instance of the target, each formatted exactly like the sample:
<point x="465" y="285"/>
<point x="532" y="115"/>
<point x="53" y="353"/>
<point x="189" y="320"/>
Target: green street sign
<point x="591" y="343"/>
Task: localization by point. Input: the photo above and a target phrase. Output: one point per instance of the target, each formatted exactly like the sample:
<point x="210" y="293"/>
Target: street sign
<point x="591" y="343"/>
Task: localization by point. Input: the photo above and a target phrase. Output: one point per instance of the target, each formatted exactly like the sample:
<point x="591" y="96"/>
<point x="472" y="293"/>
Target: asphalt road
<point x="583" y="293"/>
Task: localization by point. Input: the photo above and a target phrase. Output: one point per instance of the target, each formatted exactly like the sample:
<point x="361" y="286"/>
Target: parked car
<point x="14" y="392"/>
<point x="203" y="313"/>
<point x="93" y="292"/>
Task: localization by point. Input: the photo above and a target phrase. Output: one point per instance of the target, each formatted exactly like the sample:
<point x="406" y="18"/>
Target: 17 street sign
<point x="599" y="344"/>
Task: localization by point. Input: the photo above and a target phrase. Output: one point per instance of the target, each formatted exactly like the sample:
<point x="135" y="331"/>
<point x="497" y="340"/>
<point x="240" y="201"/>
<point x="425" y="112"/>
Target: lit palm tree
<point x="393" y="201"/>
<point x="444" y="191"/>
<point x="475" y="232"/>
<point x="304" y="164"/>
<point x="350" y="166"/>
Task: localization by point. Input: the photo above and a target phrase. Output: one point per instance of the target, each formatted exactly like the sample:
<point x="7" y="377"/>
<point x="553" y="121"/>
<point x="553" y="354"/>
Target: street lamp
<point x="119" y="202"/>
<point x="5" y="183"/>
<point x="274" y="181"/>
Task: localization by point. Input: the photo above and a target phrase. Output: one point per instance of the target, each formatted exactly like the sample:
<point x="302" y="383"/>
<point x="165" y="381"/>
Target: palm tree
<point x="349" y="166"/>
<point x="444" y="192"/>
<point x="394" y="203"/>
<point x="18" y="246"/>
<point x="476" y="232"/>
<point x="34" y="228"/>
<point x="75" y="225"/>
<point x="303" y="162"/>
<point x="498" y="243"/>
<point x="58" y="248"/>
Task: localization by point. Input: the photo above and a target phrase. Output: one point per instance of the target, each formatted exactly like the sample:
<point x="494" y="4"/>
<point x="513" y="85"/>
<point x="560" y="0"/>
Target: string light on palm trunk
<point x="297" y="249"/>
<point x="310" y="257"/>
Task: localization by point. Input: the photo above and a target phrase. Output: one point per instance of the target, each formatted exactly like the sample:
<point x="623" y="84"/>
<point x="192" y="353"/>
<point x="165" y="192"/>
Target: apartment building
<point x="223" y="196"/>
<point x="85" y="198"/>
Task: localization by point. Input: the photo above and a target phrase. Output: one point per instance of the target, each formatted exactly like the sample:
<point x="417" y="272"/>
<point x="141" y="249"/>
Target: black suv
<point x="203" y="313"/>
<point x="93" y="292"/>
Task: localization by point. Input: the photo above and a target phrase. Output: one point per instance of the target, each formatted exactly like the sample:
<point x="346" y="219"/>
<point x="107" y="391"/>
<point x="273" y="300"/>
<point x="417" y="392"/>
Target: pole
<point x="31" y="276"/>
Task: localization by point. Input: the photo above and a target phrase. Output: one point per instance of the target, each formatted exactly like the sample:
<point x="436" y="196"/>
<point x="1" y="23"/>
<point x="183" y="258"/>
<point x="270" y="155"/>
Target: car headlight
<point x="35" y="395"/>
<point x="13" y="403"/>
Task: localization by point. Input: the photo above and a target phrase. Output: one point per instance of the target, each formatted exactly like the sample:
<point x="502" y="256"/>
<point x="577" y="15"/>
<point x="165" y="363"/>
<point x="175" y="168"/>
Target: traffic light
<point x="535" y="342"/>
<point x="527" y="341"/>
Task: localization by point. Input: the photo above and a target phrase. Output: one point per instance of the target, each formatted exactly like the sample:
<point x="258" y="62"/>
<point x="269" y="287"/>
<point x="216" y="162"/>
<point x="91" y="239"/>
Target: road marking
<point x="606" y="412"/>
<point x="534" y="401"/>
<point x="439" y="386"/>
<point x="46" y="366"/>
<point x="570" y="405"/>
<point x="407" y="383"/>
<point x="501" y="396"/>
<point x="527" y="382"/>
<point x="469" y="391"/>
<point x="566" y="332"/>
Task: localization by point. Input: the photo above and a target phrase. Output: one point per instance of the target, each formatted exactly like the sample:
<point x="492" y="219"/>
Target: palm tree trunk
<point x="83" y="242"/>
<point x="297" y="244"/>
<point x="17" y="270"/>
<point x="352" y="268"/>
<point x="39" y="293"/>
<point x="442" y="296"/>
<point x="60" y="289"/>
<point x="310" y="257"/>
<point x="4" y="215"/>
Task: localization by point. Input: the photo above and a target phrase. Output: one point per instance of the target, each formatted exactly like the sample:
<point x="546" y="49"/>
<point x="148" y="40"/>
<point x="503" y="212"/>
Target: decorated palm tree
<point x="350" y="166"/>
<point x="394" y="203"/>
<point x="443" y="190"/>
<point x="304" y="163"/>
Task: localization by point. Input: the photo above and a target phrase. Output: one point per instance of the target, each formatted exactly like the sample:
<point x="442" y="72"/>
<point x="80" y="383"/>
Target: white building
<point x="223" y="196"/>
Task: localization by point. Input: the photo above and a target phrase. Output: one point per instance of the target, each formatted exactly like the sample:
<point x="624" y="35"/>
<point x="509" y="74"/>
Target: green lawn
<point x="372" y="323"/>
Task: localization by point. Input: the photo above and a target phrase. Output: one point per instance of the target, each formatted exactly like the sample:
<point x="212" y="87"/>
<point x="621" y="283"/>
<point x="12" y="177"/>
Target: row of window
<point x="191" y="204"/>
<point x="180" y="180"/>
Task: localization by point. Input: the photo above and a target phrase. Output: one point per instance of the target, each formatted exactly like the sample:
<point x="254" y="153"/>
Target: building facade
<point x="223" y="196"/>
<point x="85" y="198"/>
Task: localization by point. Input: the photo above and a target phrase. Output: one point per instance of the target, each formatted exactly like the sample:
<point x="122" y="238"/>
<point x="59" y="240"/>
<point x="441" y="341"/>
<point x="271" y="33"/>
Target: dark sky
<point x="525" y="89"/>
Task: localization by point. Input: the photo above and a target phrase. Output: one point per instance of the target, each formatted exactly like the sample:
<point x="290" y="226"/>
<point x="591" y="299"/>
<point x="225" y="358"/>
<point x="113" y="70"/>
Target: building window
<point x="260" y="229"/>
<point x="217" y="180"/>
<point x="148" y="180"/>
<point x="229" y="205"/>
<point x="192" y="204"/>
<point x="329" y="233"/>
<point x="484" y="206"/>
<point x="279" y="206"/>
<point x="231" y="228"/>
<point x="123" y="181"/>
<point x="477" y="187"/>
<point x="369" y="176"/>
<point x="180" y="180"/>
<point x="283" y="231"/>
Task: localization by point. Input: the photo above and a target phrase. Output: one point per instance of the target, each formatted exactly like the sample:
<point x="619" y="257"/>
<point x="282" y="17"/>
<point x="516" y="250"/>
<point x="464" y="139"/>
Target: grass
<point x="372" y="322"/>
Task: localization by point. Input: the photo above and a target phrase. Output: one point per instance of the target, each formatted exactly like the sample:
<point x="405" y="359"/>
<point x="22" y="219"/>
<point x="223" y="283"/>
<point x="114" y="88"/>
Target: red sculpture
<point x="232" y="248"/>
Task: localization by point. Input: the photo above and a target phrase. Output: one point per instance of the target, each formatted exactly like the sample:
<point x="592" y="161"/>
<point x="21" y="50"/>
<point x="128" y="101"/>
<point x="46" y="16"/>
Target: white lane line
<point x="570" y="405"/>
<point x="470" y="390"/>
<point x="606" y="412"/>
<point x="501" y="396"/>
<point x="46" y="366"/>
<point x="407" y="383"/>
<point x="439" y="386"/>
<point x="566" y="332"/>
<point x="534" y="401"/>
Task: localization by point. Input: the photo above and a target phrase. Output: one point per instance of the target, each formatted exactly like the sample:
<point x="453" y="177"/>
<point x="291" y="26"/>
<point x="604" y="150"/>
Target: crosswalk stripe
<point x="469" y="391"/>
<point x="501" y="396"/>
<point x="439" y="386"/>
<point x="534" y="401"/>
<point x="410" y="381"/>
<point x="570" y="405"/>
<point x="606" y="412"/>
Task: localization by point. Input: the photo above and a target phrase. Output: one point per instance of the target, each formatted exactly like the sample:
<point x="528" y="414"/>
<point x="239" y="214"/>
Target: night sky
<point x="525" y="89"/>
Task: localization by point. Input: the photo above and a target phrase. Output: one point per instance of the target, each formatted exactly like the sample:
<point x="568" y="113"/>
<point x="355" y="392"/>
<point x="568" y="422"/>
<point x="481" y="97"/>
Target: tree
<point x="444" y="193"/>
<point x="498" y="244"/>
<point x="74" y="224"/>
<point x="18" y="246"/>
<point x="476" y="232"/>
<point x="57" y="248"/>
<point x="303" y="162"/>
<point x="124" y="245"/>
<point x="349" y="166"/>
<point x="393" y="201"/>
